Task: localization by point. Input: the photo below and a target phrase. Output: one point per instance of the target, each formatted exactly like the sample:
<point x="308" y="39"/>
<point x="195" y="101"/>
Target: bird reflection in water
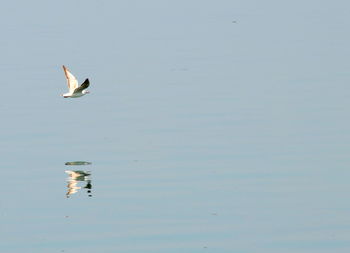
<point x="76" y="176"/>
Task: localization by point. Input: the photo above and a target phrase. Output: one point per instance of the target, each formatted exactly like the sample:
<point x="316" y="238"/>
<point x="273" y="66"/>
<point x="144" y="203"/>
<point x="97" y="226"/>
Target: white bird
<point x="75" y="90"/>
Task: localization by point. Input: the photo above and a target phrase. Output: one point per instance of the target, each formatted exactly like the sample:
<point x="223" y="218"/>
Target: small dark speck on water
<point x="234" y="22"/>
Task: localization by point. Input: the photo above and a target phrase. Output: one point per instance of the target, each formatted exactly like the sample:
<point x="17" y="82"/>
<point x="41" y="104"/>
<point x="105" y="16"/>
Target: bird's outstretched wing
<point x="83" y="86"/>
<point x="71" y="80"/>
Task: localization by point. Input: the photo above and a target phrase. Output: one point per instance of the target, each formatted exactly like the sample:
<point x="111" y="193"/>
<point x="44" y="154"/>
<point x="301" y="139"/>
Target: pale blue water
<point x="212" y="126"/>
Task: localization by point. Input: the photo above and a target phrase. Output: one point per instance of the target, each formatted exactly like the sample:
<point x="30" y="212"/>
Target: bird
<point x="75" y="91"/>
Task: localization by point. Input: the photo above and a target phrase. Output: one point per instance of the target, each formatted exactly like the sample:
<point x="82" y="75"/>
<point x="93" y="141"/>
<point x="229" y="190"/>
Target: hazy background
<point x="212" y="126"/>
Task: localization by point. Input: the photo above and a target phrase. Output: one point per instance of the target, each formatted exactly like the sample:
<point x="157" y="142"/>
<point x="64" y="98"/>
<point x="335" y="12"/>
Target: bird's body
<point x="74" y="94"/>
<point x="75" y="91"/>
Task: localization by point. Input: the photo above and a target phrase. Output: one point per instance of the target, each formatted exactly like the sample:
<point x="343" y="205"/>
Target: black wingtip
<point x="86" y="83"/>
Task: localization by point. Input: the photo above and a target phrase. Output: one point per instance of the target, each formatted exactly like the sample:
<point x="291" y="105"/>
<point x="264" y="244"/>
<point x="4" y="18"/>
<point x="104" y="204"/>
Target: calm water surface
<point x="210" y="127"/>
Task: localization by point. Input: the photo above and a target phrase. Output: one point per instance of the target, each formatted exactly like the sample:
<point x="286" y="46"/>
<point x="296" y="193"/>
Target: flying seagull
<point x="74" y="90"/>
